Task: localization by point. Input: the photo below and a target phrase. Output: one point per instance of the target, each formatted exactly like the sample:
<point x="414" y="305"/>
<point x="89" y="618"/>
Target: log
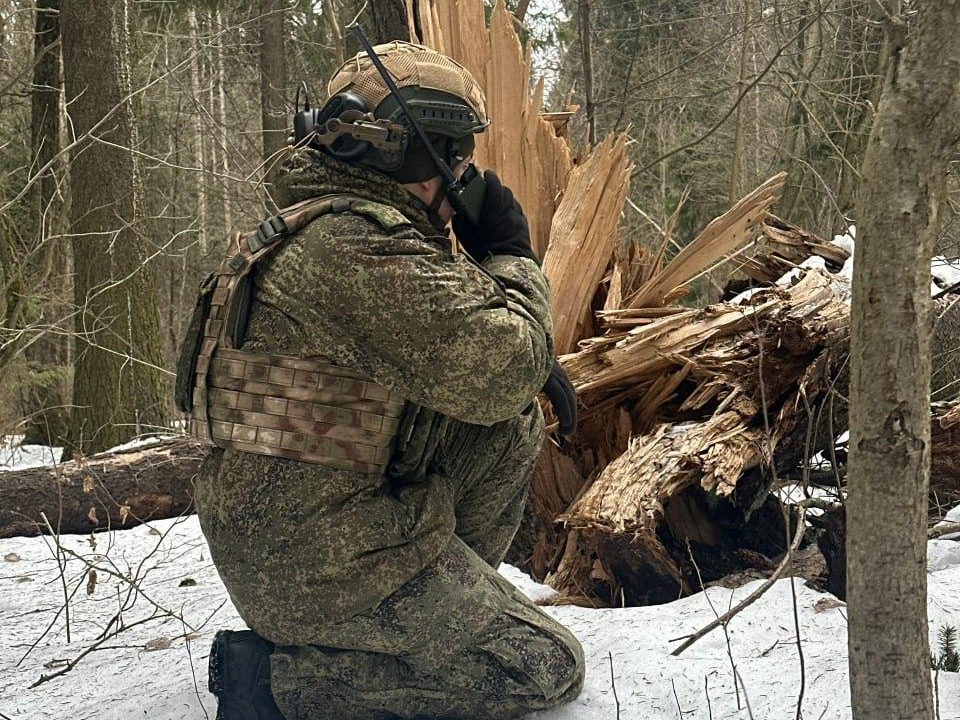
<point x="108" y="490"/>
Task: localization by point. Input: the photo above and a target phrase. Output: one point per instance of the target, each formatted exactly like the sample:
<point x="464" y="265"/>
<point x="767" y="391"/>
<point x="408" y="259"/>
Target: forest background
<point x="714" y="96"/>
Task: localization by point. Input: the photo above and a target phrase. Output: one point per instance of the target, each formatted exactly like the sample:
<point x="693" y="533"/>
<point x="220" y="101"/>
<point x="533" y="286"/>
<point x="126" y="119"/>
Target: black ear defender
<point x="345" y="128"/>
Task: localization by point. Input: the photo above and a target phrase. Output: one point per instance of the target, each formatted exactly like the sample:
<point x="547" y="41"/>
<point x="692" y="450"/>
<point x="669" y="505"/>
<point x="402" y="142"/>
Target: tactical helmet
<point x="442" y="94"/>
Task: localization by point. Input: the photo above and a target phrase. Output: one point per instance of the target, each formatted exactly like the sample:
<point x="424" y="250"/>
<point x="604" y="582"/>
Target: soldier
<point x="376" y="425"/>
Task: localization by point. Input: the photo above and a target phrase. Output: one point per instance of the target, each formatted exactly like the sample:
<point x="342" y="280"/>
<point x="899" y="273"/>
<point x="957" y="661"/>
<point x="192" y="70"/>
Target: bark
<point x="389" y="20"/>
<point x="736" y="157"/>
<point x="200" y="180"/>
<point x="273" y="83"/>
<point x="330" y="13"/>
<point x="45" y="392"/>
<point x="124" y="489"/>
<point x="521" y="12"/>
<point x="222" y="137"/>
<point x="586" y="50"/>
<point x="119" y="387"/>
<point x="902" y="191"/>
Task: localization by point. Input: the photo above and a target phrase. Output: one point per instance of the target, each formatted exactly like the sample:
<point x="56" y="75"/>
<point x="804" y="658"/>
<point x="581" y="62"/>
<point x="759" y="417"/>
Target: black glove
<point x="502" y="230"/>
<point x="563" y="398"/>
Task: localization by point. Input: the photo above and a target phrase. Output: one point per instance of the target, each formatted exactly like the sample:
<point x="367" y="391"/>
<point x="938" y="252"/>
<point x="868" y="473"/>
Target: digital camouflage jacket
<point x="383" y="293"/>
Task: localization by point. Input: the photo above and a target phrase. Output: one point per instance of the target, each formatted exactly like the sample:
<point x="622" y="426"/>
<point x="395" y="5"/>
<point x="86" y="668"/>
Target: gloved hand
<point x="502" y="230"/>
<point x="563" y="398"/>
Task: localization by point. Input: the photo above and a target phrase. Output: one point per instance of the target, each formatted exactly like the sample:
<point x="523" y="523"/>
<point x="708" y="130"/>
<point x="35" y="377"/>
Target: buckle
<point x="268" y="232"/>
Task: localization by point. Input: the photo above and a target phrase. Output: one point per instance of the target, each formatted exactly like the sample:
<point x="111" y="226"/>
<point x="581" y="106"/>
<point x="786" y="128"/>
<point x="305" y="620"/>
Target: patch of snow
<point x="942" y="554"/>
<point x="741" y="298"/>
<point x="847" y="239"/>
<point x="526" y="584"/>
<point x="14" y="456"/>
<point x="140" y="441"/>
<point x="945" y="272"/>
<point x="152" y="671"/>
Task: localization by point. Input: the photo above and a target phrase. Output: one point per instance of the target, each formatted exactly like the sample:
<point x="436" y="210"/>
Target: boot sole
<point x="216" y="672"/>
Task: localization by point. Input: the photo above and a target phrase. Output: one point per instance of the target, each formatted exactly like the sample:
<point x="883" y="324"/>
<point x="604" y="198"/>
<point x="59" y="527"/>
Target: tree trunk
<point x="119" y="387"/>
<point x="389" y="20"/>
<point x="222" y="136"/>
<point x="273" y="83"/>
<point x="586" y="49"/>
<point x="45" y="393"/>
<point x="124" y="489"/>
<point x="902" y="191"/>
<point x="736" y="156"/>
<point x="330" y="13"/>
<point x="198" y="155"/>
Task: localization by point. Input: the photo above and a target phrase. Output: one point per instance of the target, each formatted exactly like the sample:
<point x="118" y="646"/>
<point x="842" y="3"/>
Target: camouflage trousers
<point x="457" y="640"/>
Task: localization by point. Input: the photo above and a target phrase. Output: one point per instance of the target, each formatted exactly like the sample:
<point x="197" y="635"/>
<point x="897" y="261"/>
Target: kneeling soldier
<point x="369" y="388"/>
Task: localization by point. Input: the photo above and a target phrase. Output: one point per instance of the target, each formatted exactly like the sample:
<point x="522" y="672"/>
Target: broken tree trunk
<point x="736" y="375"/>
<point x="109" y="490"/>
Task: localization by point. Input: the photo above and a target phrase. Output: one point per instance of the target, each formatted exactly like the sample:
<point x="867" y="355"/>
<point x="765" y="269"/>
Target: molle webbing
<point x="298" y="408"/>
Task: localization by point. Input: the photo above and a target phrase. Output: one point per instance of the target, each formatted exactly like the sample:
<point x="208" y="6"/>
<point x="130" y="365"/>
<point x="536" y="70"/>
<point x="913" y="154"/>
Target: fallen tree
<point x="108" y="490"/>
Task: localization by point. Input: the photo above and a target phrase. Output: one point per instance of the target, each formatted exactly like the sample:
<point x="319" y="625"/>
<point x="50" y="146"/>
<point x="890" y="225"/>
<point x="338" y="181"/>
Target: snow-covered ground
<point x="160" y="580"/>
<point x="151" y="670"/>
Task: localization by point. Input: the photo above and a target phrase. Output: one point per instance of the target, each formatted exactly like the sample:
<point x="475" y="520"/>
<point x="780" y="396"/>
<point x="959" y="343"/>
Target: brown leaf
<point x="11" y="557"/>
<point x="124" y="512"/>
<point x="160" y="643"/>
<point x="92" y="515"/>
<point x="91" y="581"/>
<point x="87" y="485"/>
<point x="826" y="603"/>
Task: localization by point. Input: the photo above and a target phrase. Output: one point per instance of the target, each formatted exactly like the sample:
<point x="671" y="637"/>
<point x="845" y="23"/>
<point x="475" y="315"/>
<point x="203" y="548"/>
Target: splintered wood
<point x="524" y="148"/>
<point x="717" y="357"/>
<point x="683" y="411"/>
<point x="583" y="236"/>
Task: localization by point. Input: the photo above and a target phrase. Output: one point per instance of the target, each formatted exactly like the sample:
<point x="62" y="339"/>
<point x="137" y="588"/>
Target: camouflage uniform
<point x="380" y="590"/>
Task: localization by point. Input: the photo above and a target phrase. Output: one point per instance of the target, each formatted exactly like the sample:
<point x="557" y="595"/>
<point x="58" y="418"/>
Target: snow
<point x="945" y="272"/>
<point x="14" y="456"/>
<point x="150" y="670"/>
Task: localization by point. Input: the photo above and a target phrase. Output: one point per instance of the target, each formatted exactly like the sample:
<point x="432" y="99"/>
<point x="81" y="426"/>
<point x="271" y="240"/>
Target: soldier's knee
<point x="570" y="678"/>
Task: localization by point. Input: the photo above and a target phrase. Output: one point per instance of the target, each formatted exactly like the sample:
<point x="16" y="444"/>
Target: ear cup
<point x="348" y="148"/>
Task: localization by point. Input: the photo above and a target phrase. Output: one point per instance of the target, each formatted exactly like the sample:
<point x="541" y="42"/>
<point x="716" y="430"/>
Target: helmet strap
<point x="432" y="210"/>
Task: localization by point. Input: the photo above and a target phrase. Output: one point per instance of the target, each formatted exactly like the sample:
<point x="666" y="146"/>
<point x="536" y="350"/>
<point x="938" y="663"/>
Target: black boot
<point x="239" y="675"/>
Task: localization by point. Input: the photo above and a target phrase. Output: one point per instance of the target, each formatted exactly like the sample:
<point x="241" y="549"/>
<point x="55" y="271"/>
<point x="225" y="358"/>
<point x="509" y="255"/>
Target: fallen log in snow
<point x="112" y="489"/>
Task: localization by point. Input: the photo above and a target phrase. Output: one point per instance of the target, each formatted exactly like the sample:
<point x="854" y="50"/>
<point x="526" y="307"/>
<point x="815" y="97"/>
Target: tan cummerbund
<point x="301" y="409"/>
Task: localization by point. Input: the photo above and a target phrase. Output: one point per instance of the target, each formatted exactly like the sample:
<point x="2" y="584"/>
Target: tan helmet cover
<point x="408" y="64"/>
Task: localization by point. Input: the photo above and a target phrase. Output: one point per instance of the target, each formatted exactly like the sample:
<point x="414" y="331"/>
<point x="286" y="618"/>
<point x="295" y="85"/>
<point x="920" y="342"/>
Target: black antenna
<point x="445" y="170"/>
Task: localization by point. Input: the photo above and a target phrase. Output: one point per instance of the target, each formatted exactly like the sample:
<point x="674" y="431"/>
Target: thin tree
<point x="44" y="394"/>
<point x="119" y="388"/>
<point x="899" y="214"/>
<point x="273" y="81"/>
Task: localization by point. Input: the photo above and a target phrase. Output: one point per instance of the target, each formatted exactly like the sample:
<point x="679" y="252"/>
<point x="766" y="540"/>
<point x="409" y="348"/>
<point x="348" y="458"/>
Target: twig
<point x="749" y="600"/>
<point x="193" y="670"/>
<point x="726" y="635"/>
<point x="706" y="690"/>
<point x="61" y="566"/>
<point x="613" y="684"/>
<point x="73" y="663"/>
<point x="676" y="698"/>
